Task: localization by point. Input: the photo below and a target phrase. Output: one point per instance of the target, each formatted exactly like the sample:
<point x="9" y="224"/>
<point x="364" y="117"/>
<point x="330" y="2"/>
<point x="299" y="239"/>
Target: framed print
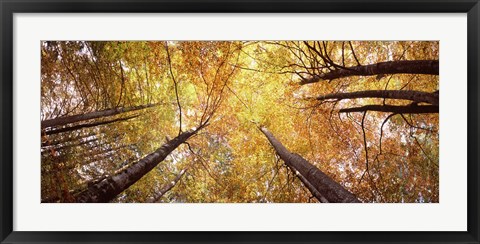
<point x="261" y="122"/>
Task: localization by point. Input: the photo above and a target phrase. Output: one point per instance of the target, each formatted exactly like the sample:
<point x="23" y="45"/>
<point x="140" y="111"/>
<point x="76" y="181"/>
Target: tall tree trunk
<point x="106" y="189"/>
<point x="415" y="96"/>
<point x="310" y="187"/>
<point x="408" y="109"/>
<point x="92" y="115"/>
<point x="64" y="147"/>
<point x="46" y="142"/>
<point x="428" y="67"/>
<point x="77" y="127"/>
<point x="92" y="154"/>
<point x="167" y="187"/>
<point x="322" y="184"/>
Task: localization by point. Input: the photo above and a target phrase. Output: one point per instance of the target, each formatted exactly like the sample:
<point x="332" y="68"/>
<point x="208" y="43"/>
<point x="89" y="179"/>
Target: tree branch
<point x="167" y="187"/>
<point x="353" y="52"/>
<point x="176" y="89"/>
<point x="409" y="109"/>
<point x="365" y="146"/>
<point x="92" y="115"/>
<point x="77" y="127"/>
<point x="429" y="67"/>
<point x="416" y="96"/>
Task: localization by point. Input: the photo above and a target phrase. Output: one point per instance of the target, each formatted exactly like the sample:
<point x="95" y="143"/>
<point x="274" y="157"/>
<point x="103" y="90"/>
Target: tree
<point x="94" y="124"/>
<point x="428" y="67"/>
<point x="414" y="96"/>
<point x="408" y="109"/>
<point x="111" y="178"/>
<point x="91" y="115"/>
<point x="168" y="187"/>
<point x="321" y="186"/>
<point x="109" y="187"/>
<point x="366" y="126"/>
<point x="333" y="61"/>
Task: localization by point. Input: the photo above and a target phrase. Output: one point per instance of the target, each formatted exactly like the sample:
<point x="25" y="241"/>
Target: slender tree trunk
<point x="416" y="96"/>
<point x="77" y="127"/>
<point x="63" y="147"/>
<point x="49" y="150"/>
<point x="168" y="187"/>
<point x="409" y="109"/>
<point x="106" y="189"/>
<point x="66" y="141"/>
<point x="319" y="181"/>
<point x="92" y="115"/>
<point x="92" y="154"/>
<point x="428" y="67"/>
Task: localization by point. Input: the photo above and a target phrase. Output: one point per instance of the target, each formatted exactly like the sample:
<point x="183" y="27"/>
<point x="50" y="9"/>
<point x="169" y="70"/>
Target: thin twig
<point x="353" y="52"/>
<point x="176" y="89"/>
<point x="365" y="145"/>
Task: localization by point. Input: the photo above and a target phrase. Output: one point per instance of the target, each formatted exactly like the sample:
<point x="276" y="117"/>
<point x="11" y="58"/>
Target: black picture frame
<point x="9" y="7"/>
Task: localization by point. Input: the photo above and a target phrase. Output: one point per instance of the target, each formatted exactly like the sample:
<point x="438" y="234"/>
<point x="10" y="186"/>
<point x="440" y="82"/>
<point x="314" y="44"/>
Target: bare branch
<point x="353" y="52"/>
<point x="365" y="146"/>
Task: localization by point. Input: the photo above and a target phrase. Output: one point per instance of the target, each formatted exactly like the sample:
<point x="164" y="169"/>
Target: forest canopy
<point x="240" y="121"/>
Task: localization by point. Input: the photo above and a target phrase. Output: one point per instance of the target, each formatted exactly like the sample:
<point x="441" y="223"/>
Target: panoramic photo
<point x="239" y="121"/>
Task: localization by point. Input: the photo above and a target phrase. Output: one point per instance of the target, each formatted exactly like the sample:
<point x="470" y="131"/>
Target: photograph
<point x="247" y="121"/>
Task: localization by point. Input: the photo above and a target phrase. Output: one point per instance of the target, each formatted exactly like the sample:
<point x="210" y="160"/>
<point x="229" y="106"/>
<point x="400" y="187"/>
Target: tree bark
<point x="319" y="181"/>
<point x="95" y="153"/>
<point x="56" y="147"/>
<point x="65" y="141"/>
<point x="310" y="187"/>
<point x="409" y="109"/>
<point x="416" y="96"/>
<point x="168" y="187"/>
<point x="77" y="127"/>
<point x="106" y="189"/>
<point x="428" y="67"/>
<point x="92" y="115"/>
